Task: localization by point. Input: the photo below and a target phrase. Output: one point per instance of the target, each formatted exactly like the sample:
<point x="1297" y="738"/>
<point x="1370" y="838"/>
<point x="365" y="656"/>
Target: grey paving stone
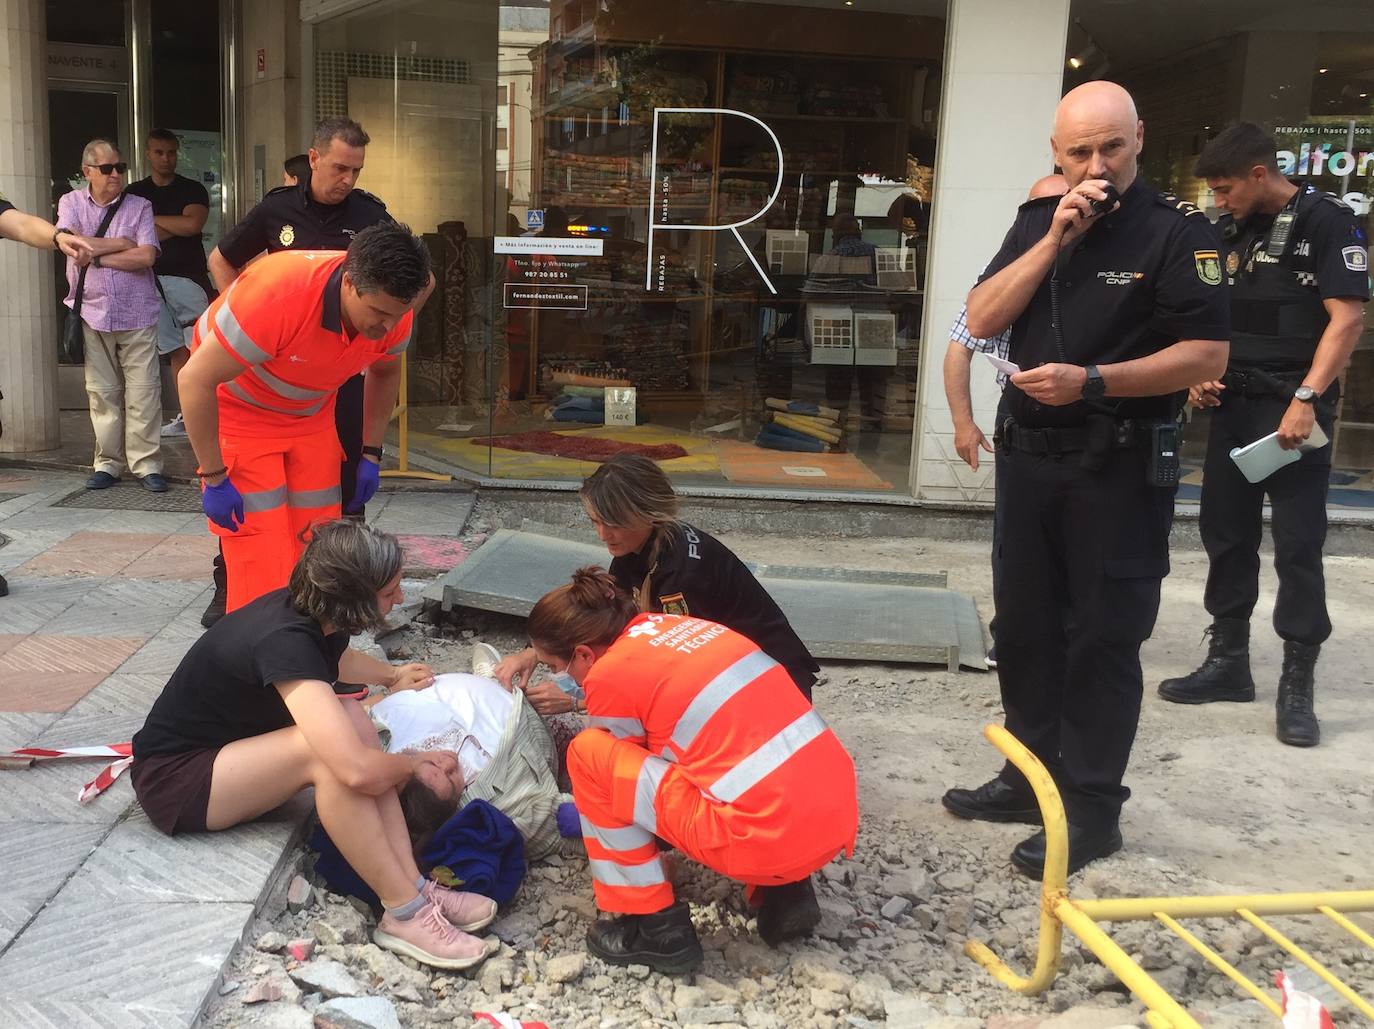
<point x="37" y="859"/>
<point x="22" y="729"/>
<point x="137" y="862"/>
<point x="89" y="1013"/>
<point x="153" y="964"/>
<point x="48" y="792"/>
<point x="110" y="713"/>
<point x="159" y="656"/>
<point x="35" y="602"/>
<point x="43" y="517"/>
<point x="424" y="513"/>
<point x="142" y="521"/>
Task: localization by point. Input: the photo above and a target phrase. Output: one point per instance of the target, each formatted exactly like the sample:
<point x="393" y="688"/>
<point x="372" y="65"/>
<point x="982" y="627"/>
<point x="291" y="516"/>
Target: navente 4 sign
<point x="661" y="201"/>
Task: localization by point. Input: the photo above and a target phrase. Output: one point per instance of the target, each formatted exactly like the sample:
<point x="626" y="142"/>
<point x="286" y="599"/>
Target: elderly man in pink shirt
<point x="119" y="310"/>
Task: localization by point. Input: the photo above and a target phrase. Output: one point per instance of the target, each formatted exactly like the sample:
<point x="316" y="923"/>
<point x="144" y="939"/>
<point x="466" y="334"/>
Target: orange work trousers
<point x="287" y="486"/>
<point x="626" y="796"/>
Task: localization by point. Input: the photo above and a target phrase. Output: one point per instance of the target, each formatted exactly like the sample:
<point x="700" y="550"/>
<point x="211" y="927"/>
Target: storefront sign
<point x="561" y="298"/>
<point x="661" y="202"/>
<point x="548" y="245"/>
<point x="262" y="63"/>
<point x="1341" y="150"/>
<point x="620" y="405"/>
<point x="87" y="63"/>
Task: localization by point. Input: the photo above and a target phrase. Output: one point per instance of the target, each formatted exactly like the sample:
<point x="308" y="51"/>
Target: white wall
<point x="1003" y="77"/>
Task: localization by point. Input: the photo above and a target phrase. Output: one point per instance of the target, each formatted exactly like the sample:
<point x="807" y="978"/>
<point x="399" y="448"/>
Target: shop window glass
<point x="1305" y="75"/>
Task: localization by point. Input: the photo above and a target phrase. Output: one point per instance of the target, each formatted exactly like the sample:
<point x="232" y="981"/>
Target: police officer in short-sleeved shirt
<point x="1297" y="261"/>
<point x="1140" y="302"/>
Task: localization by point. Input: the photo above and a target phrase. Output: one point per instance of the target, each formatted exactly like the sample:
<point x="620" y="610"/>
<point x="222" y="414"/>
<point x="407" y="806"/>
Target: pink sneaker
<point x="467" y="911"/>
<point x="430" y="939"/>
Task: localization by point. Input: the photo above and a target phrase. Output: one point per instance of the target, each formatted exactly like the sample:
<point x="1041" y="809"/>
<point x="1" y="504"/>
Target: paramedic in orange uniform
<point x="701" y="739"/>
<point x="258" y="393"/>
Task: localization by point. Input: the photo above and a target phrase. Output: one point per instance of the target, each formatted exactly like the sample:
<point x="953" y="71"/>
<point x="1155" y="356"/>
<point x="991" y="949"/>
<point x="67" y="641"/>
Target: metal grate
<point x="177" y="500"/>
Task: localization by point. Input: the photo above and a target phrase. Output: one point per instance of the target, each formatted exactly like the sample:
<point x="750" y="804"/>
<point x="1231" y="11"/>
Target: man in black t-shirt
<point x="180" y="209"/>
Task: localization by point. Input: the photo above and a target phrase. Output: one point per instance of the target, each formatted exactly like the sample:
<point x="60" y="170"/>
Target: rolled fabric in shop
<point x="804" y="427"/>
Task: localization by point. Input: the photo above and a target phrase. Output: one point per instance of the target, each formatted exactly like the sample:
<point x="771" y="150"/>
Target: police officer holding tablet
<point x="1298" y="264"/>
<point x="1116" y="302"/>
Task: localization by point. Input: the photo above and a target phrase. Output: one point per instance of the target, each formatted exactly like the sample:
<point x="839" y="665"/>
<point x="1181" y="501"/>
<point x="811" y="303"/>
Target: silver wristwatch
<point x="1305" y="393"/>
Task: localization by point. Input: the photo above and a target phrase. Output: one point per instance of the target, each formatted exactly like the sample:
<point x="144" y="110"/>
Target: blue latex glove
<point x="569" y="823"/>
<point x="223" y="504"/>
<point x="369" y="478"/>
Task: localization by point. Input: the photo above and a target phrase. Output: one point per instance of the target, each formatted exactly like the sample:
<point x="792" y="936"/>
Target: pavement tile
<point x="137" y="862"/>
<point x="110" y="713"/>
<point x="51" y="673"/>
<point x="90" y="552"/>
<point x="159" y="656"/>
<point x="25" y="544"/>
<point x="178" y="556"/>
<point x="22" y="729"/>
<point x="424" y="513"/>
<point x="156" y="962"/>
<point x="42" y="516"/>
<point x="40" y="1012"/>
<point x="7" y="641"/>
<point x="38" y="857"/>
<point x="47" y="792"/>
<point x="439" y="553"/>
<point x="33" y="603"/>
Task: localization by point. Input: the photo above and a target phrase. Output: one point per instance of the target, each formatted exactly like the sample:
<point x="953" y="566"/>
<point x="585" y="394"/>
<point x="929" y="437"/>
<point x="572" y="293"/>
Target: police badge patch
<point x="674" y="604"/>
<point x="1355" y="258"/>
<point x="287" y="236"/>
<point x="1233" y="262"/>
<point x="1208" y="266"/>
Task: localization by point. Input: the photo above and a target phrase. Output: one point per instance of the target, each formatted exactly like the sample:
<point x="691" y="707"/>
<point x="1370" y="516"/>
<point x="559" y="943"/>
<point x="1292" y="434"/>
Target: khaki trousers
<point x="125" y="394"/>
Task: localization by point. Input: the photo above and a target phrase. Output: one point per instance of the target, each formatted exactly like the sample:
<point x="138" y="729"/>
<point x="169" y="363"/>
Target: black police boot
<point x="994" y="801"/>
<point x="1085" y="845"/>
<point x="788" y="912"/>
<point x="666" y="941"/>
<point x="1225" y="675"/>
<point x="1297" y="722"/>
<point x="4" y="587"/>
<point x="215" y="611"/>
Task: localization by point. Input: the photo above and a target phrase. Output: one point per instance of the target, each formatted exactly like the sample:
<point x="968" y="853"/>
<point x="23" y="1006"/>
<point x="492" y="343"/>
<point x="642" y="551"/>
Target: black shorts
<point x="174" y="789"/>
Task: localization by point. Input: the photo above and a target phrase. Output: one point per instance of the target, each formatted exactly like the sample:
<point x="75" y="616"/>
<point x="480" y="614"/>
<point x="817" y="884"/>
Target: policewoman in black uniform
<point x="673" y="567"/>
<point x="1114" y="309"/>
<point x="323" y="211"/>
<point x="1298" y="263"/>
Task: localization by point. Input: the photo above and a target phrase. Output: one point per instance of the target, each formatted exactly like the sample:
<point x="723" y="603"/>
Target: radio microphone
<point x="1106" y="203"/>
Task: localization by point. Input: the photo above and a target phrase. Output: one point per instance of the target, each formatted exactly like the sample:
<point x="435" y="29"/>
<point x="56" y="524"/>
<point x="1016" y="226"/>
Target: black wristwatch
<point x="1306" y="394"/>
<point x="373" y="452"/>
<point x="61" y="230"/>
<point x="1093" y="386"/>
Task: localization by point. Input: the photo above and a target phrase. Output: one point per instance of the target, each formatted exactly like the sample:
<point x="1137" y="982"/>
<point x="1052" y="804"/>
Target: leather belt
<point x="1126" y="434"/>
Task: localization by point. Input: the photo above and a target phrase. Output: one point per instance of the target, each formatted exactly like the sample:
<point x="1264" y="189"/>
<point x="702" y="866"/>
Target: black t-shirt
<point x="1144" y="277"/>
<point x="223" y="689"/>
<point x="182" y="256"/>
<point x="289" y="218"/>
<point x="696" y="574"/>
<point x="5" y="205"/>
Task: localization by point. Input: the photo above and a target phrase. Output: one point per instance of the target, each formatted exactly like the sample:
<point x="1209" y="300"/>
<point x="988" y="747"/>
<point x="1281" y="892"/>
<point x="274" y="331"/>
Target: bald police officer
<point x="1114" y="311"/>
<point x="1298" y="263"/>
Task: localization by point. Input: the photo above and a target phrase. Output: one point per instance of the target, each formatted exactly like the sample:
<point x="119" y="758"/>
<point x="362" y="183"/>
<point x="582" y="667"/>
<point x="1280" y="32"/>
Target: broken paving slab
<point x="902" y="617"/>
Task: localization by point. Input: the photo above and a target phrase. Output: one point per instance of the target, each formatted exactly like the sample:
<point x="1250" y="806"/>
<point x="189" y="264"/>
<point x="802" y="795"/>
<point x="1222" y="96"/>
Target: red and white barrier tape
<point x="102" y="782"/>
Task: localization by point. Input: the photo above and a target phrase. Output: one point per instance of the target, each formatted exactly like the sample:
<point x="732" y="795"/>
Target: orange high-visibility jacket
<point x="706" y="699"/>
<point x="282" y="320"/>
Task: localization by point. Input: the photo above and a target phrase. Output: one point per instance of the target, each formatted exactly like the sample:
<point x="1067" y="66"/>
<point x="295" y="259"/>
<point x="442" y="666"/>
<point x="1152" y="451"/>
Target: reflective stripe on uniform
<point x="651" y="774"/>
<point x="714" y="695"/>
<point x="264" y="500"/>
<point x="767" y="759"/>
<point x="620" y="728"/>
<point x="310" y="498"/>
<point x="400" y="347"/>
<point x="248" y="398"/>
<point x="608" y="873"/>
<point x="630" y="837"/>
<point x="285" y="389"/>
<point x="203" y="325"/>
<point x="236" y="339"/>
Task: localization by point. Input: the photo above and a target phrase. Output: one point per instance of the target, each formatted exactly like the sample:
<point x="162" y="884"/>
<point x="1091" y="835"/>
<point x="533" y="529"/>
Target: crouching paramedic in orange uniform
<point x="257" y="394"/>
<point x="700" y="738"/>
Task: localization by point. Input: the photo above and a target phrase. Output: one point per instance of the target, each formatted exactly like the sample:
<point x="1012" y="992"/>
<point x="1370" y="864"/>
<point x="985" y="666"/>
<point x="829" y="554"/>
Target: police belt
<point x="1125" y="435"/>
<point x="1256" y="382"/>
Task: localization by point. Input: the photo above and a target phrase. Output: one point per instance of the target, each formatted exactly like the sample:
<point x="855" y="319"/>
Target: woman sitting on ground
<point x="700" y="739"/>
<point x="250" y="718"/>
<point x="672" y="567"/>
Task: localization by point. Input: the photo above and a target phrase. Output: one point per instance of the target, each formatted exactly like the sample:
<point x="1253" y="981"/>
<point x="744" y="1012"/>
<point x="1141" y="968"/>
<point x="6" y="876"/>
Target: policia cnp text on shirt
<point x="1298" y="263"/>
<point x="1138" y="298"/>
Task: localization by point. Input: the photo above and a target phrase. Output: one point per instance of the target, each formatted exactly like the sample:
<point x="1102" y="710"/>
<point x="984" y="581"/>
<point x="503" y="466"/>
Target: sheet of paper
<point x="1002" y="364"/>
<point x="1262" y="458"/>
<point x="454" y="427"/>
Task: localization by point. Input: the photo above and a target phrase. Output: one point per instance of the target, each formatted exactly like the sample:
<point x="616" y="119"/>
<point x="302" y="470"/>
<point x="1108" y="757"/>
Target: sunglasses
<point x="106" y="169"/>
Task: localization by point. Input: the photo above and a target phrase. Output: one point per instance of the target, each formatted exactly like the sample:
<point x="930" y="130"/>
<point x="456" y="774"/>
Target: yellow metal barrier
<point x="1059" y="910"/>
<point x="402" y="416"/>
